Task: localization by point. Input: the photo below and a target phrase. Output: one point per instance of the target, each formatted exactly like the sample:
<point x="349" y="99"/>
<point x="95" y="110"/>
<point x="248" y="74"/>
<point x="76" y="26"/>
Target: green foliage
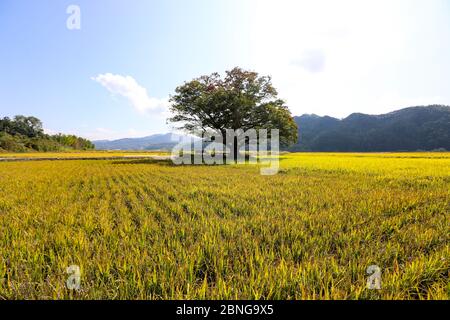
<point x="73" y="142"/>
<point x="21" y="125"/>
<point x="26" y="134"/>
<point x="241" y="100"/>
<point x="11" y="143"/>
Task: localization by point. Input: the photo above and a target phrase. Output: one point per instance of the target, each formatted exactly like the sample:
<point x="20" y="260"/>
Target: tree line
<point x="23" y="133"/>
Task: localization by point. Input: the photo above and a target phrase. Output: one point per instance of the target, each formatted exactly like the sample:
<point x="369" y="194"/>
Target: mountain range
<point x="153" y="142"/>
<point x="409" y="129"/>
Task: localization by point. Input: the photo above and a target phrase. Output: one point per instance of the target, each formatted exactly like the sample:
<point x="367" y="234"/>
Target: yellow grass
<point x="80" y="154"/>
<point x="146" y="229"/>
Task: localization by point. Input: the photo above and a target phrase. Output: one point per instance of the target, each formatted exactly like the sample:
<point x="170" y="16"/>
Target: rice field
<point x="147" y="229"/>
<point x="78" y="154"/>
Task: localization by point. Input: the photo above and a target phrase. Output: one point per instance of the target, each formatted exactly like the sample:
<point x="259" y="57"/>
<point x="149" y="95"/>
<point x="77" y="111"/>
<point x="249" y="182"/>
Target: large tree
<point x="240" y="100"/>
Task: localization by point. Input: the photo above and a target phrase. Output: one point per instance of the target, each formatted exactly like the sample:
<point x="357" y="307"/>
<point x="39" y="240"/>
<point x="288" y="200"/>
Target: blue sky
<point x="111" y="78"/>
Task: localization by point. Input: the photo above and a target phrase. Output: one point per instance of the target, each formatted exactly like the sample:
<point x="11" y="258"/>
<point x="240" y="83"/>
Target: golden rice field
<point x="78" y="154"/>
<point x="147" y="229"/>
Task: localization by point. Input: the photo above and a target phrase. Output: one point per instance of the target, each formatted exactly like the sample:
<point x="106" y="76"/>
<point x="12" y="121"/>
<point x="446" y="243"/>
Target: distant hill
<point x="409" y="129"/>
<point x="152" y="142"/>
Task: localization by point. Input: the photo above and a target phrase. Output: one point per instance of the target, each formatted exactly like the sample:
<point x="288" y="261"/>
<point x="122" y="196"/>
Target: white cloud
<point x="127" y="87"/>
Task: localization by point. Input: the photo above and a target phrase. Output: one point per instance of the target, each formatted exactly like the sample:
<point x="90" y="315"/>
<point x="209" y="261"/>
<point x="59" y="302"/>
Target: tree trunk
<point x="235" y="150"/>
<point x="224" y="141"/>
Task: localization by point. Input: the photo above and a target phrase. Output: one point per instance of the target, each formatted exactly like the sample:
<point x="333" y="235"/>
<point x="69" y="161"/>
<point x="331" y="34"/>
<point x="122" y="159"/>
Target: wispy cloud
<point x="127" y="87"/>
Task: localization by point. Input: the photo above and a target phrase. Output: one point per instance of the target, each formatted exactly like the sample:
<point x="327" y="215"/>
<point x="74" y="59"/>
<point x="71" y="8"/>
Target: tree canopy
<point x="26" y="126"/>
<point x="240" y="100"/>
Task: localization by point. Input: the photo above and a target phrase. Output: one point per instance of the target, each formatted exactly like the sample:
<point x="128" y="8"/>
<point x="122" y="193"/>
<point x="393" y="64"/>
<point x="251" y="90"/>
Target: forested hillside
<point x="22" y="134"/>
<point x="410" y="129"/>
